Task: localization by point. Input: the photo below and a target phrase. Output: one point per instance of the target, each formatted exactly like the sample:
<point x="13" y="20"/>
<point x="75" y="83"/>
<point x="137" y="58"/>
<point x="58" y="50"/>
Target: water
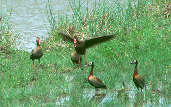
<point x="29" y="19"/>
<point x="128" y="96"/>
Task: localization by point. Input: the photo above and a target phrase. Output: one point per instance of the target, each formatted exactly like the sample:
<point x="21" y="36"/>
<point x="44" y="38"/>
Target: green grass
<point x="142" y="34"/>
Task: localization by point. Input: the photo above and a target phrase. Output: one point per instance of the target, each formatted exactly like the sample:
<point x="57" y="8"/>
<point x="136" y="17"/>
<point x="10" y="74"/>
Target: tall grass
<point x="5" y="30"/>
<point x="142" y="33"/>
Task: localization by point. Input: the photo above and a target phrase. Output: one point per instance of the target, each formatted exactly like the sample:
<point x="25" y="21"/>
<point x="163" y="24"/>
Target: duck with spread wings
<point x="80" y="46"/>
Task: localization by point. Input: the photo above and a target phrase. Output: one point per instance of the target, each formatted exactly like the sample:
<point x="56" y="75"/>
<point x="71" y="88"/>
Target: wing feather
<point x="139" y="82"/>
<point x="97" y="40"/>
<point x="97" y="82"/>
<point x="66" y="37"/>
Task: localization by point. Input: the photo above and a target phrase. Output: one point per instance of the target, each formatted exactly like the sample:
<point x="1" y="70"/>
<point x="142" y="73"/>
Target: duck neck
<point x="92" y="67"/>
<point x="135" y="70"/>
<point x="38" y="44"/>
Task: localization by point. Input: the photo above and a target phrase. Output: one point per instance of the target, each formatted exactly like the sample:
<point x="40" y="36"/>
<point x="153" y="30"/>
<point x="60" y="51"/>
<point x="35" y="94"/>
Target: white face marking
<point x="75" y="41"/>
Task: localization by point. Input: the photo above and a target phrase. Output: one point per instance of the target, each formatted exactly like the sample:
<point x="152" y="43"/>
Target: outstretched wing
<point x="66" y="36"/>
<point x="97" y="40"/>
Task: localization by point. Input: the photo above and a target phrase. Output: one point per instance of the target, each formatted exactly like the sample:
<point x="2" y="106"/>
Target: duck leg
<point x="39" y="61"/>
<point x="141" y="90"/>
<point x="79" y="61"/>
<point x="33" y="64"/>
<point x="85" y="60"/>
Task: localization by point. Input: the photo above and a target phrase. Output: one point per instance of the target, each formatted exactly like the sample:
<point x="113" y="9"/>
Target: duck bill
<point x="89" y="64"/>
<point x="86" y="65"/>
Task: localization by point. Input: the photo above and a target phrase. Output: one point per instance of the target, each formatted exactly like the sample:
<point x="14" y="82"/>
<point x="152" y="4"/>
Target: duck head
<point x="38" y="41"/>
<point x="90" y="64"/>
<point x="92" y="67"/>
<point x="134" y="62"/>
<point x="76" y="41"/>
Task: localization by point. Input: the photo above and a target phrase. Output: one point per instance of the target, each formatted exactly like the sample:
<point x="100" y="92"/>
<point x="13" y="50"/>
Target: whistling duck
<point x="138" y="80"/>
<point x="80" y="46"/>
<point x="75" y="57"/>
<point x="94" y="81"/>
<point x="37" y="52"/>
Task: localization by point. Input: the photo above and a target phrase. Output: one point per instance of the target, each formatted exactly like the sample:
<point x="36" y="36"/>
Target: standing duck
<point x="94" y="81"/>
<point x="138" y="80"/>
<point x="37" y="52"/>
<point x="80" y="46"/>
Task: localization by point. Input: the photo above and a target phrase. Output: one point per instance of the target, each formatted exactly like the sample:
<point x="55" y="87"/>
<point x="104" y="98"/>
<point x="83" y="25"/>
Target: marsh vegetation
<point x="142" y="31"/>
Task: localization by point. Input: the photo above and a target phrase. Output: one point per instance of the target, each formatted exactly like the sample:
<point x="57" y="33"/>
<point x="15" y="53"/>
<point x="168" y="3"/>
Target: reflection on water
<point x="98" y="98"/>
<point x="61" y="100"/>
<point x="129" y="97"/>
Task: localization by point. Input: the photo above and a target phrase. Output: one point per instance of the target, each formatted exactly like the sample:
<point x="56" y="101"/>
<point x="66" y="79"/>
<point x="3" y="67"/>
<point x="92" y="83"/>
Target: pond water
<point x="128" y="95"/>
<point x="29" y="18"/>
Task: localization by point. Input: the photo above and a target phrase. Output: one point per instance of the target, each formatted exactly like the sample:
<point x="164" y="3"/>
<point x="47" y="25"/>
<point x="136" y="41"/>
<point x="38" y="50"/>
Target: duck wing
<point x="66" y="37"/>
<point x="91" y="42"/>
<point x="139" y="82"/>
<point x="36" y="53"/>
<point x="96" y="82"/>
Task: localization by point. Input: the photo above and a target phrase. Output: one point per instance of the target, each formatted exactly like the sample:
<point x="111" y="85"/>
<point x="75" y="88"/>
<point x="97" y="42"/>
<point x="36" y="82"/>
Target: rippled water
<point x="29" y="19"/>
<point x="130" y="97"/>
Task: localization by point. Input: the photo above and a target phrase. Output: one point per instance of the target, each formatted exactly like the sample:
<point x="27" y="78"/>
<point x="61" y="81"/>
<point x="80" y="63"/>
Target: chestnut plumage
<point x="94" y="81"/>
<point x="138" y="80"/>
<point x="37" y="52"/>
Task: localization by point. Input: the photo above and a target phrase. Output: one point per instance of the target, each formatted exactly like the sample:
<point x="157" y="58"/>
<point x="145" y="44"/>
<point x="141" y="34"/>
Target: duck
<point x="137" y="79"/>
<point x="93" y="80"/>
<point x="75" y="58"/>
<point x="37" y="52"/>
<point x="80" y="46"/>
